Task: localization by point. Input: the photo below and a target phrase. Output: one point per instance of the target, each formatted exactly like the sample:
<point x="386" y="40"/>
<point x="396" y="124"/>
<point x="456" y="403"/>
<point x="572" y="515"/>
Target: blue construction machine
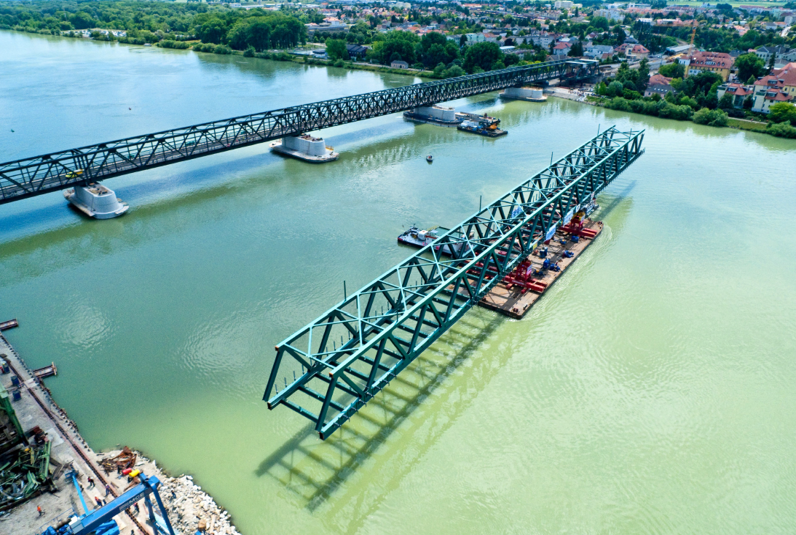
<point x="100" y="521"/>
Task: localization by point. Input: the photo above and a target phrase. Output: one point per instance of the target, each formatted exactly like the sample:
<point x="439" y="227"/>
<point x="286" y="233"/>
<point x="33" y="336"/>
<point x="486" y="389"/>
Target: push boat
<point x="420" y="238"/>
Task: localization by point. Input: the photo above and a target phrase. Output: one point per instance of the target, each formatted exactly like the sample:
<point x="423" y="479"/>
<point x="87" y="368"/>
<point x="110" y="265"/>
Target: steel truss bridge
<point x="29" y="177"/>
<point x="332" y="367"/>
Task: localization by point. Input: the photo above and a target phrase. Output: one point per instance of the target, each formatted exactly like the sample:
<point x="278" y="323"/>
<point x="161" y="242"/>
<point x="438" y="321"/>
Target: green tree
<point x="725" y="102"/>
<point x="749" y="66"/>
<point x="576" y="50"/>
<point x="212" y="31"/>
<point x="672" y="70"/>
<point x="614" y="88"/>
<point x="619" y="35"/>
<point x="336" y="49"/>
<point x="454" y="72"/>
<point x="396" y="45"/>
<point x="710" y="117"/>
<point x="600" y="23"/>
<point x="783" y="112"/>
<point x="643" y="75"/>
<point x="82" y="21"/>
<point x="482" y="55"/>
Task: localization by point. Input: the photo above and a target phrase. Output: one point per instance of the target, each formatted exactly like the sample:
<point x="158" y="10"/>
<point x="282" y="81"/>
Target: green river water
<point x="651" y="390"/>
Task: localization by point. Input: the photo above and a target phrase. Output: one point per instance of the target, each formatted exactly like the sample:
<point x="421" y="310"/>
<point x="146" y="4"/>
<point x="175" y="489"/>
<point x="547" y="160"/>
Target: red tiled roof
<point x="659" y="79"/>
<point x="711" y="59"/>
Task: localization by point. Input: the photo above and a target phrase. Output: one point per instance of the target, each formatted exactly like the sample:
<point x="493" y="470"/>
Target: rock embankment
<point x="190" y="508"/>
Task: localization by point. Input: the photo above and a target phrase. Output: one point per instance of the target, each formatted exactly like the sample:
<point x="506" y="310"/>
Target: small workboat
<point x="429" y="158"/>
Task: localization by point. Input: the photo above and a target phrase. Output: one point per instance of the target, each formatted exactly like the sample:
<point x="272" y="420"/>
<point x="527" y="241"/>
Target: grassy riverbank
<point x="717" y="117"/>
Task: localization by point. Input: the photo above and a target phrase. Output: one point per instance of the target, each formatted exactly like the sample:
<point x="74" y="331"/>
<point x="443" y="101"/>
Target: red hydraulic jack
<point x="575" y="227"/>
<point x="522" y="278"/>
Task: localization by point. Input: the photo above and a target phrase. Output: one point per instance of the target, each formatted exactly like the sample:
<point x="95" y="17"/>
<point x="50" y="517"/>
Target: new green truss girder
<point x="336" y="364"/>
<point x="29" y="177"/>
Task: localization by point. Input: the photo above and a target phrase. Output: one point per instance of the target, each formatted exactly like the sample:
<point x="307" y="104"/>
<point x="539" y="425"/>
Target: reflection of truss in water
<point x="314" y="471"/>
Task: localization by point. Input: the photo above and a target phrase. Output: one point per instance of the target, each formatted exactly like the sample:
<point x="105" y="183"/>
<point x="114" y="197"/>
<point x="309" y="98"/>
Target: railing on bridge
<point x="50" y="172"/>
<point x="340" y="361"/>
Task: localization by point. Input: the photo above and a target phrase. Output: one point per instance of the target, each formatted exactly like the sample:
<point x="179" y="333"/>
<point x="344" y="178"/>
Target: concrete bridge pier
<point x="96" y="201"/>
<point x="305" y="148"/>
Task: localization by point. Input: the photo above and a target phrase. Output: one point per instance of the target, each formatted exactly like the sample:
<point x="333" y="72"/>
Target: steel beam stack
<point x="329" y="369"/>
<point x="29" y="177"/>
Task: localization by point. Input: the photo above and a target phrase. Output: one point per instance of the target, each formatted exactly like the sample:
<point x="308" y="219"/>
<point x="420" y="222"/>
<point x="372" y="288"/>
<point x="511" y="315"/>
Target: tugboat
<point x="418" y="238"/>
<point x="429" y="158"/>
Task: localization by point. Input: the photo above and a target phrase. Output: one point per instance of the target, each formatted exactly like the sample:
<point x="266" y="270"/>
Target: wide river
<point x="652" y="390"/>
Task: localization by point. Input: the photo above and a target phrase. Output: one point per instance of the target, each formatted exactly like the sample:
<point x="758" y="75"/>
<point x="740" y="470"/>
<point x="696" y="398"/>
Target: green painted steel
<point x="386" y="325"/>
<point x="8" y="439"/>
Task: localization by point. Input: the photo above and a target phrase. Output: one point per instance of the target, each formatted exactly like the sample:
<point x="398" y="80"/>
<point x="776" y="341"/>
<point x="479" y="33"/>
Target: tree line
<point x="433" y="51"/>
<point x="160" y="21"/>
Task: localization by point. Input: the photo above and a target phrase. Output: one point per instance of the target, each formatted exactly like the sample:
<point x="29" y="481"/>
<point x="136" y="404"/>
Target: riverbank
<point x="715" y="118"/>
<point x="224" y="50"/>
<point x="189" y="507"/>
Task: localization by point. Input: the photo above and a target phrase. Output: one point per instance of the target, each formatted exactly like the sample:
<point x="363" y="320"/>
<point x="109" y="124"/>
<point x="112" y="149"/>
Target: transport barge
<point x="523" y="287"/>
<point x="433" y="115"/>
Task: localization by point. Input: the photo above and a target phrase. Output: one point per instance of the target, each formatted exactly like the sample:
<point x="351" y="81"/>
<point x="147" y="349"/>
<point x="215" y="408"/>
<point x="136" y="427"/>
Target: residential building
<point x="658" y="85"/>
<point x="563" y="4"/>
<point x="738" y="92"/>
<point x="398" y="64"/>
<point x="779" y="86"/>
<point x="633" y="50"/>
<point x="561" y="49"/>
<point x="765" y="52"/>
<point x="599" y="52"/>
<point x="610" y="14"/>
<point x="356" y="51"/>
<point x="719" y="62"/>
<point x="473" y="38"/>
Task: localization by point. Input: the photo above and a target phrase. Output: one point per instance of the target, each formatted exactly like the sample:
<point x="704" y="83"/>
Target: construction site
<point x="53" y="483"/>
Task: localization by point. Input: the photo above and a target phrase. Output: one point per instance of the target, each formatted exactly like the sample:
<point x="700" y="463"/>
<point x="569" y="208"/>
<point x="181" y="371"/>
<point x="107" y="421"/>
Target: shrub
<point x="454" y="71"/>
<point x="668" y="110"/>
<point x="222" y="49"/>
<point x="618" y="103"/>
<point x="201" y="47"/>
<point x="249" y="52"/>
<point x="782" y="130"/>
<point x="167" y="43"/>
<point x="339" y="63"/>
<point x="710" y="117"/>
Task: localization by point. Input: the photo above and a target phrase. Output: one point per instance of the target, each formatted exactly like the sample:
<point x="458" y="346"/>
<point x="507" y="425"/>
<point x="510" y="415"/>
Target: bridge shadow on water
<point x="620" y="199"/>
<point x="419" y="406"/>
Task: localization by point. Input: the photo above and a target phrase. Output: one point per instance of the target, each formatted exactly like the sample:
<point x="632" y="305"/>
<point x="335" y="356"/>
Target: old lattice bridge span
<point x="54" y="171"/>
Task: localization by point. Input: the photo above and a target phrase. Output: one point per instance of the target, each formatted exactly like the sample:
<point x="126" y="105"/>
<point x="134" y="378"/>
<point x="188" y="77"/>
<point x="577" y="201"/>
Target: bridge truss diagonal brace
<point x="337" y="363"/>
